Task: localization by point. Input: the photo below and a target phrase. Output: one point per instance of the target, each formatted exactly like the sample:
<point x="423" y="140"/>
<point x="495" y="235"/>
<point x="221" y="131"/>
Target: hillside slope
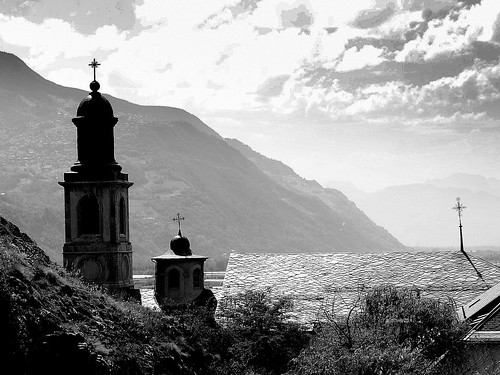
<point x="52" y="323"/>
<point x="334" y="199"/>
<point x="177" y="164"/>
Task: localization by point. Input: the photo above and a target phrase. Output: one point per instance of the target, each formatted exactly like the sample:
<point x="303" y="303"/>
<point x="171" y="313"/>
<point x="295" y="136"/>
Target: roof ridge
<point x="484" y="260"/>
<point x="349" y="252"/>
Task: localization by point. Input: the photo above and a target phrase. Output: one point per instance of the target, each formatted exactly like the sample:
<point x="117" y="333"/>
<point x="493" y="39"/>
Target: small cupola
<point x="180" y="245"/>
<point x="179" y="274"/>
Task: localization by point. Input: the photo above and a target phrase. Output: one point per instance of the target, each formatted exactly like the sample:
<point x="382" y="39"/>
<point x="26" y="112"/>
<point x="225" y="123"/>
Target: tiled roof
<point x="315" y="281"/>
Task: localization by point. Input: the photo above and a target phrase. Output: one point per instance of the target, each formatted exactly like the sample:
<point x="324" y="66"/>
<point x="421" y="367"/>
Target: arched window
<point x="174" y="279"/>
<point x="88" y="217"/>
<point x="122" y="214"/>
<point x="197" y="282"/>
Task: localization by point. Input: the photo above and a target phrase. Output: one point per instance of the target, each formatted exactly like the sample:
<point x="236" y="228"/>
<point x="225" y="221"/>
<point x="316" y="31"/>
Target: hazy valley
<point x="420" y="215"/>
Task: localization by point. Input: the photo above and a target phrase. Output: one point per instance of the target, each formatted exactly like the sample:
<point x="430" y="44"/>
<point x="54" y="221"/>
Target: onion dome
<point x="180" y="245"/>
<point x="95" y="105"/>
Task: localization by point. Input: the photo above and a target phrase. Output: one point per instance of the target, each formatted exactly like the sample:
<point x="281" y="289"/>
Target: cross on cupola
<point x="179" y="218"/>
<point x="94" y="64"/>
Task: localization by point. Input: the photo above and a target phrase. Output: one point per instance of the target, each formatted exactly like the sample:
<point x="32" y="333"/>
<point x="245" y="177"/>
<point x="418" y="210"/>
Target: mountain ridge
<point x="177" y="164"/>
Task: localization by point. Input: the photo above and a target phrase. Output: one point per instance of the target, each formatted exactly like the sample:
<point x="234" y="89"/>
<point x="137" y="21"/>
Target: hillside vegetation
<point x="53" y="323"/>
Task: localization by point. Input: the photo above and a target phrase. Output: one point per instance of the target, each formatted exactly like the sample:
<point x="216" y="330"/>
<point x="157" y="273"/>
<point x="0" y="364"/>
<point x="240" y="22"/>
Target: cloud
<point x="55" y="38"/>
<point x="373" y="17"/>
<point x="178" y="13"/>
<point x="371" y="58"/>
<point x="354" y="59"/>
<point x="228" y="13"/>
<point x="352" y="72"/>
<point x="470" y="95"/>
<point x="85" y="16"/>
<point x="299" y="16"/>
<point x="273" y="86"/>
<point x="453" y="34"/>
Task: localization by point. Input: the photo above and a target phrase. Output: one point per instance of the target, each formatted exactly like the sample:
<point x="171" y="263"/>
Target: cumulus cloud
<point x="299" y="16"/>
<point x="354" y="59"/>
<point x="229" y="12"/>
<point x="273" y="86"/>
<point x="473" y="94"/>
<point x="454" y="33"/>
<point x="373" y="17"/>
<point x="85" y="16"/>
<point x="55" y="38"/>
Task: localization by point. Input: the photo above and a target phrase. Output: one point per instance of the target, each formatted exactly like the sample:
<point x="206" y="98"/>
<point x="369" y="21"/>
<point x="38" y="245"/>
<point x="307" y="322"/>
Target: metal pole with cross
<point x="459" y="208"/>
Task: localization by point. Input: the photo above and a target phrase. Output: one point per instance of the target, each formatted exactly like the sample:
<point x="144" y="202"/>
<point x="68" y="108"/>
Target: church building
<point x="97" y="241"/>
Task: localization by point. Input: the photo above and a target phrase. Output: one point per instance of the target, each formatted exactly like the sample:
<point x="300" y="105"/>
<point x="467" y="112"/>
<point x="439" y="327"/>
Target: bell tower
<point x="96" y="201"/>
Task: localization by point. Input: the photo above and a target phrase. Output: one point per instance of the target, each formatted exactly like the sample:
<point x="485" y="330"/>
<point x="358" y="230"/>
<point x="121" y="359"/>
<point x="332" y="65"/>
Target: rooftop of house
<point x="479" y="304"/>
<point x="483" y="315"/>
<point x="326" y="283"/>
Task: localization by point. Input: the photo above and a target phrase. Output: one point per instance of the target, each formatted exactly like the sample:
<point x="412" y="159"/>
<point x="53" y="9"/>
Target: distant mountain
<point x="177" y="164"/>
<point x="351" y="191"/>
<point x="470" y="182"/>
<point x="422" y="215"/>
<point x="334" y="199"/>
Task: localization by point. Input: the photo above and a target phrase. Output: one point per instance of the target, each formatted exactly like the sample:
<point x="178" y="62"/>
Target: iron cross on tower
<point x="459" y="207"/>
<point x="94" y="64"/>
<point x="178" y="218"/>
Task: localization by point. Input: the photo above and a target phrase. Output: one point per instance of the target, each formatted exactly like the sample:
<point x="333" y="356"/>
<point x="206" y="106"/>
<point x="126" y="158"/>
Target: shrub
<point x="393" y="331"/>
<point x="263" y="339"/>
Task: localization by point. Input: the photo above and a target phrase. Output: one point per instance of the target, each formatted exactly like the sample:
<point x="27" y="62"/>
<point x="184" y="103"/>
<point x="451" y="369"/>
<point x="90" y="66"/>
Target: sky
<point x="371" y="92"/>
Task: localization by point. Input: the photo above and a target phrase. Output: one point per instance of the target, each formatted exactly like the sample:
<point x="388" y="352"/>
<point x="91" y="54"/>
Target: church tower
<point x="96" y="204"/>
